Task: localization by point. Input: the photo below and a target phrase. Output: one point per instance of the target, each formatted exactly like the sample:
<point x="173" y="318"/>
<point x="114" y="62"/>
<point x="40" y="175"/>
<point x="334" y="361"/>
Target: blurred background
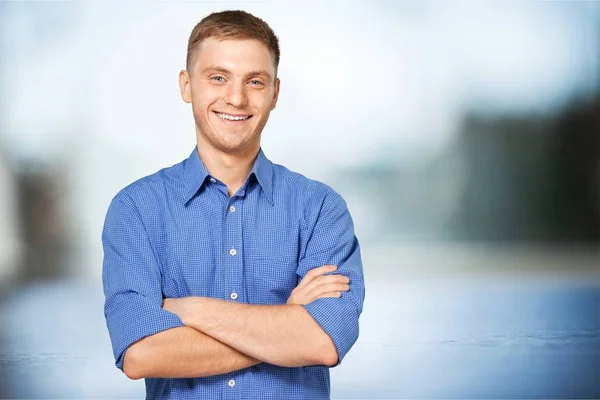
<point x="465" y="137"/>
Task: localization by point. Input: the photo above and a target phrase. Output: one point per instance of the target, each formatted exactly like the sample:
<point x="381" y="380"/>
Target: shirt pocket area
<point x="271" y="280"/>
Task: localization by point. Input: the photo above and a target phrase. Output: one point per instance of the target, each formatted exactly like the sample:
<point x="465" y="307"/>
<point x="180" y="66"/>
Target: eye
<point x="218" y="79"/>
<point x="256" y="82"/>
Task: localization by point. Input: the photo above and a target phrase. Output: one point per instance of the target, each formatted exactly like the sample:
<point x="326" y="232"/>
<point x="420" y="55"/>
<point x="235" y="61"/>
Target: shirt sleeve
<point x="330" y="239"/>
<point x="132" y="280"/>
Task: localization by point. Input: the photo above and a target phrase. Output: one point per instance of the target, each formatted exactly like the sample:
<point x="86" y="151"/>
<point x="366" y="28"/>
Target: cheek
<point x="198" y="108"/>
<point x="203" y="96"/>
<point x="263" y="103"/>
<point x="201" y="107"/>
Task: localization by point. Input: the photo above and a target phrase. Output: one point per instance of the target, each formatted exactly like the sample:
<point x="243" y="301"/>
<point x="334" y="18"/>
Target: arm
<point x="321" y="332"/>
<point x="330" y="240"/>
<point x="182" y="353"/>
<point x="141" y="331"/>
<point x="283" y="334"/>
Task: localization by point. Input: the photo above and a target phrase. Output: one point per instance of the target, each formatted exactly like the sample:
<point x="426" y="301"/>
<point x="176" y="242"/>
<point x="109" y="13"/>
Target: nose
<point x="236" y="94"/>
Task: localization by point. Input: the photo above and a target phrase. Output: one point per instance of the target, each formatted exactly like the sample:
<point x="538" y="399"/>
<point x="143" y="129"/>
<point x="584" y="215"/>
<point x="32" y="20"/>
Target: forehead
<point x="235" y="55"/>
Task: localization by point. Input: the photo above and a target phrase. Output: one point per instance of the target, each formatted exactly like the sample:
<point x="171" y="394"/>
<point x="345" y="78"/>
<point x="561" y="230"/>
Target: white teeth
<point x="232" y="118"/>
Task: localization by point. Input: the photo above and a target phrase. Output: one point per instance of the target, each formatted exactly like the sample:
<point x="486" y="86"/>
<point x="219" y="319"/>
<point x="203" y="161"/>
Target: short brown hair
<point x="232" y="24"/>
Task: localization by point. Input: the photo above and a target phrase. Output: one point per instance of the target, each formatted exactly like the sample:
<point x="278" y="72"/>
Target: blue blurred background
<point x="465" y="137"/>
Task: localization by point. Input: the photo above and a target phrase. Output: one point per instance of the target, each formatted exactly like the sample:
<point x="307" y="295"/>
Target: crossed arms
<point x="222" y="336"/>
<point x="201" y="336"/>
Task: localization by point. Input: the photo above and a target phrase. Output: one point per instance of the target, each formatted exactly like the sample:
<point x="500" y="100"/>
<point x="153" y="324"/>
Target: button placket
<point x="234" y="280"/>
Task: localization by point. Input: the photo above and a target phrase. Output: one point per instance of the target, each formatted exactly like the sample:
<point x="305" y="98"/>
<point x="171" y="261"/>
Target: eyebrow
<point x="214" y="68"/>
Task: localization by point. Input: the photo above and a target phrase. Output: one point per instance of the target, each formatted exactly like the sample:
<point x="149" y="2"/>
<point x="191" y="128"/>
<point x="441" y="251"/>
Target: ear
<point x="185" y="86"/>
<point x="275" y="94"/>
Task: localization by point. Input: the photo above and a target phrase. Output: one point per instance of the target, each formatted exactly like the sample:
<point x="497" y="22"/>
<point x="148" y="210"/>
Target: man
<point x="219" y="271"/>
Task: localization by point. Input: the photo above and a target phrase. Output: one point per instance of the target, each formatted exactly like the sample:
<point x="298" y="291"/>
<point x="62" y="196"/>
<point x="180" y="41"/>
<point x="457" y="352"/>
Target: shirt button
<point x="213" y="180"/>
<point x="232" y="208"/>
<point x="232" y="252"/>
<point x="231" y="383"/>
<point x="234" y="295"/>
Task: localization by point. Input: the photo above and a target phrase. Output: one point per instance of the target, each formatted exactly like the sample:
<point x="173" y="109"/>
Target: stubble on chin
<point x="228" y="146"/>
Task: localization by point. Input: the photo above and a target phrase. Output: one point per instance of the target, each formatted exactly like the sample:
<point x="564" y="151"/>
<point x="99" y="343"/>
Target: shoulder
<point x="149" y="192"/>
<point x="313" y="194"/>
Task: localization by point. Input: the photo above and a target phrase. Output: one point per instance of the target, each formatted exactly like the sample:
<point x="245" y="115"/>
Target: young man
<point x="220" y="272"/>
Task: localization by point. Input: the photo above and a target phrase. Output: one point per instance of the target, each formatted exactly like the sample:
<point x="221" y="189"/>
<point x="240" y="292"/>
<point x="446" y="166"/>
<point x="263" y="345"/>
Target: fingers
<point x="316" y="284"/>
<point x="329" y="287"/>
<point x="316" y="272"/>
<point x="330" y="294"/>
<point x="336" y="278"/>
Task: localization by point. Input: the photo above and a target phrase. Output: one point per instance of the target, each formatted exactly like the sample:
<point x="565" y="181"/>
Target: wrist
<point x="191" y="312"/>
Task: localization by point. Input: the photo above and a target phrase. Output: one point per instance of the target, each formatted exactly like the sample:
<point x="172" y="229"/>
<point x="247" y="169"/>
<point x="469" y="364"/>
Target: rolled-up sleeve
<point x="132" y="280"/>
<point x="330" y="239"/>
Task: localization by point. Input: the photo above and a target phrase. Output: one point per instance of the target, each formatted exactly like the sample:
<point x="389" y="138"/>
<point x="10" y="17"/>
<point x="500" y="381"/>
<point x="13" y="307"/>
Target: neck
<point x="230" y="168"/>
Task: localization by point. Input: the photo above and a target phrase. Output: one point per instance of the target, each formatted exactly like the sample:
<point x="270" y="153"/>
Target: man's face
<point x="232" y="88"/>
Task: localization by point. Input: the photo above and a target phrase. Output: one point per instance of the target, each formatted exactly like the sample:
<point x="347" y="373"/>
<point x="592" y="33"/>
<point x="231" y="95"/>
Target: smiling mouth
<point x="229" y="117"/>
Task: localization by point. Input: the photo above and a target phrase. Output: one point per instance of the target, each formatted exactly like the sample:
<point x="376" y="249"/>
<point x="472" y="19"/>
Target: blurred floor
<point x="435" y="334"/>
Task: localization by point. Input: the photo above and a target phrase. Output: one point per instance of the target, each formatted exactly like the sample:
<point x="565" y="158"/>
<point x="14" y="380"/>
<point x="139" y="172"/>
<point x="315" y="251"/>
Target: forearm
<point x="284" y="335"/>
<point x="182" y="352"/>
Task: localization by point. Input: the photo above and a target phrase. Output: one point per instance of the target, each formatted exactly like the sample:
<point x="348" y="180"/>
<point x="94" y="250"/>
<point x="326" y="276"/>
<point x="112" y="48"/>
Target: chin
<point x="233" y="147"/>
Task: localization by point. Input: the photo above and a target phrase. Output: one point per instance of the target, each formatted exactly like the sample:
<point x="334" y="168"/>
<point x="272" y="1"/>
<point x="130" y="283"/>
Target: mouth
<point x="233" y="118"/>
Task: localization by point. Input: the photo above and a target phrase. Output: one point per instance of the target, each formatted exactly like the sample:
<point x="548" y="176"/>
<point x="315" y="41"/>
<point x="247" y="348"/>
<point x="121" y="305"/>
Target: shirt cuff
<point x="130" y="317"/>
<point x="339" y="319"/>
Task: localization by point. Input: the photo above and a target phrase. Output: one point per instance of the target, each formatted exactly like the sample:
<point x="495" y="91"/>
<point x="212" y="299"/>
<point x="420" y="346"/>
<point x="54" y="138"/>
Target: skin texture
<point x="182" y="353"/>
<point x="235" y="77"/>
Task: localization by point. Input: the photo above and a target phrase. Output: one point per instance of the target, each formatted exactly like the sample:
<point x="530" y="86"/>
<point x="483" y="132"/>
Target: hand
<point x="180" y="306"/>
<point x="315" y="286"/>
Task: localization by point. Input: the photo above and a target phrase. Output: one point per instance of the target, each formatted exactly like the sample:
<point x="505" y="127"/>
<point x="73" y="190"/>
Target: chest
<point x="240" y="250"/>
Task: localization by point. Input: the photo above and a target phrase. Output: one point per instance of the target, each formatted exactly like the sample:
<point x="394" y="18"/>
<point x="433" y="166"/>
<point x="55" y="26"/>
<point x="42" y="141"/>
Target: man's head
<point x="231" y="25"/>
<point x="231" y="80"/>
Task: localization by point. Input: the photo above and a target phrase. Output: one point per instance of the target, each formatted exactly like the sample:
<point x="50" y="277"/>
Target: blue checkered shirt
<point x="172" y="234"/>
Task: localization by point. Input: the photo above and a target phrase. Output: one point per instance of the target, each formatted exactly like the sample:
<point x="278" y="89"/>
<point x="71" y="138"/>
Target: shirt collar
<point x="263" y="171"/>
<point x="195" y="174"/>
